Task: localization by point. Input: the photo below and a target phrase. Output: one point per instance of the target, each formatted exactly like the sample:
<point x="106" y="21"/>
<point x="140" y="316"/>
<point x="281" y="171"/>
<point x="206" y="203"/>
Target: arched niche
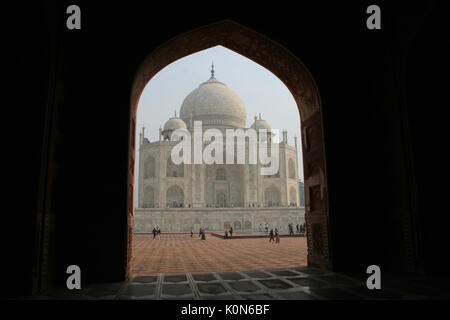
<point x="297" y="78"/>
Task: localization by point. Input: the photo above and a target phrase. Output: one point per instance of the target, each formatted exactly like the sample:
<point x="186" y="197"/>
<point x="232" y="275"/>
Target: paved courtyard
<point x="179" y="253"/>
<point x="177" y="267"/>
<point x="302" y="283"/>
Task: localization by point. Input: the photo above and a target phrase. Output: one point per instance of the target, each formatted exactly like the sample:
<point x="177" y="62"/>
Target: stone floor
<point x="179" y="253"/>
<point x="183" y="268"/>
<point x="301" y="283"/>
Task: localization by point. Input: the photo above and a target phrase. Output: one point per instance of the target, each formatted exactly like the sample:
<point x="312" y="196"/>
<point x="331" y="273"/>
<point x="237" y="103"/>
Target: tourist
<point x="271" y="236"/>
<point x="192" y="233"/>
<point x="267" y="227"/>
<point x="260" y="227"/>
<point x="277" y="236"/>
<point x="231" y="232"/>
<point x="226" y="234"/>
<point x="200" y="232"/>
<point x="203" y="235"/>
<point x="154" y="232"/>
<point x="298" y="228"/>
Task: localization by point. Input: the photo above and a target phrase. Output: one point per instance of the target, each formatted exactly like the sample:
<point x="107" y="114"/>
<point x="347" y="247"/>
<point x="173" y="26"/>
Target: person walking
<point x="271" y="236"/>
<point x="260" y="227"/>
<point x="226" y="234"/>
<point x="203" y="235"/>
<point x="200" y="232"/>
<point x="231" y="232"/>
<point x="267" y="227"/>
<point x="192" y="233"/>
<point x="154" y="232"/>
<point x="277" y="236"/>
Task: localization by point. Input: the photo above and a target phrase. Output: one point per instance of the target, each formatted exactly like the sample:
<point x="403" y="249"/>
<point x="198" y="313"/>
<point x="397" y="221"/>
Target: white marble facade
<point x="180" y="197"/>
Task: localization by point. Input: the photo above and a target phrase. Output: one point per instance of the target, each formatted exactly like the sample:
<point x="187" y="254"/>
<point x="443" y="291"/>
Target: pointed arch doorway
<point x="291" y="71"/>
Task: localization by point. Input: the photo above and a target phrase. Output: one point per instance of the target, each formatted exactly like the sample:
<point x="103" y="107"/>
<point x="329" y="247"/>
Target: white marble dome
<point x="215" y="105"/>
<point x="261" y="124"/>
<point x="174" y="123"/>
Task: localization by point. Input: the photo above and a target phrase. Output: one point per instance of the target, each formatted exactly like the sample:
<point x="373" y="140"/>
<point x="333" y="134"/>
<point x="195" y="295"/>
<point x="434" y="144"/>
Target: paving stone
<point x="246" y="286"/>
<point x="175" y="278"/>
<point x="309" y="270"/>
<point x="257" y="297"/>
<point x="308" y="282"/>
<point x="178" y="298"/>
<point x="283" y="273"/>
<point x="179" y="253"/>
<point x="139" y="290"/>
<point x="334" y="294"/>
<point x="148" y="279"/>
<point x="258" y="274"/>
<point x="230" y="276"/>
<point x="204" y="277"/>
<point x="275" y="284"/>
<point x="176" y="289"/>
<point x="211" y="288"/>
<point x="296" y="295"/>
<point x="219" y="297"/>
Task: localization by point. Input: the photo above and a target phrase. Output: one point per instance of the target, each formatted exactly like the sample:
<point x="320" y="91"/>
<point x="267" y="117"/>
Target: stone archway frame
<point x="291" y="71"/>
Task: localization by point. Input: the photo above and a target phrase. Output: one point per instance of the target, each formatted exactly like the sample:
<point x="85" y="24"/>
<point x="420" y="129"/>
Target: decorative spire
<point x="212" y="69"/>
<point x="175" y="113"/>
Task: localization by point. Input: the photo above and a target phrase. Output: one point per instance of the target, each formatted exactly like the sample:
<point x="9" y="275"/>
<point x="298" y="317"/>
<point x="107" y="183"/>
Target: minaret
<point x="142" y="135"/>
<point x="295" y="138"/>
<point x="160" y="133"/>
<point x="285" y="136"/>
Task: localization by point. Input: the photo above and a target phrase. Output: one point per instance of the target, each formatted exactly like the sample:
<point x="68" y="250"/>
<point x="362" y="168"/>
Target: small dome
<point x="174" y="124"/>
<point x="261" y="124"/>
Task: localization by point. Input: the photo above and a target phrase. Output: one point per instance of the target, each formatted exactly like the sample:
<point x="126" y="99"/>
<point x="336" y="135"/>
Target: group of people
<point x="266" y="228"/>
<point x="226" y="234"/>
<point x="274" y="236"/>
<point x="156" y="232"/>
<point x="301" y="227"/>
<point x="201" y="233"/>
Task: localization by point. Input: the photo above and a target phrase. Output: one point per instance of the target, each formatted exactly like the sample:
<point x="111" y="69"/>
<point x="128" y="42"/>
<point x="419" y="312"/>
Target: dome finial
<point x="212" y="69"/>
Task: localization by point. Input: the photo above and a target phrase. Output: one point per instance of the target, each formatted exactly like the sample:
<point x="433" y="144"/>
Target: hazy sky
<point x="261" y="91"/>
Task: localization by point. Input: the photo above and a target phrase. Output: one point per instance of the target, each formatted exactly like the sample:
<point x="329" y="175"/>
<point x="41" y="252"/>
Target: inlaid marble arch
<point x="290" y="70"/>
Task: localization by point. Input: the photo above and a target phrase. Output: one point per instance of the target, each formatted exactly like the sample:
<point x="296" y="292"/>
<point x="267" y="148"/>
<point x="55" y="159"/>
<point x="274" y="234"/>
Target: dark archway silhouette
<point x="291" y="71"/>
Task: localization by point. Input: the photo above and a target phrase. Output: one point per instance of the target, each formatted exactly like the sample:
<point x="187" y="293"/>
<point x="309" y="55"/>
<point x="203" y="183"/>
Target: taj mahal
<point x="178" y="197"/>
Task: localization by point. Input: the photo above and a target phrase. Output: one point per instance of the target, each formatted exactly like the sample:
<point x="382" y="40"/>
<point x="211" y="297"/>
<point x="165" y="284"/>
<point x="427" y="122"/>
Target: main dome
<point x="215" y="105"/>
